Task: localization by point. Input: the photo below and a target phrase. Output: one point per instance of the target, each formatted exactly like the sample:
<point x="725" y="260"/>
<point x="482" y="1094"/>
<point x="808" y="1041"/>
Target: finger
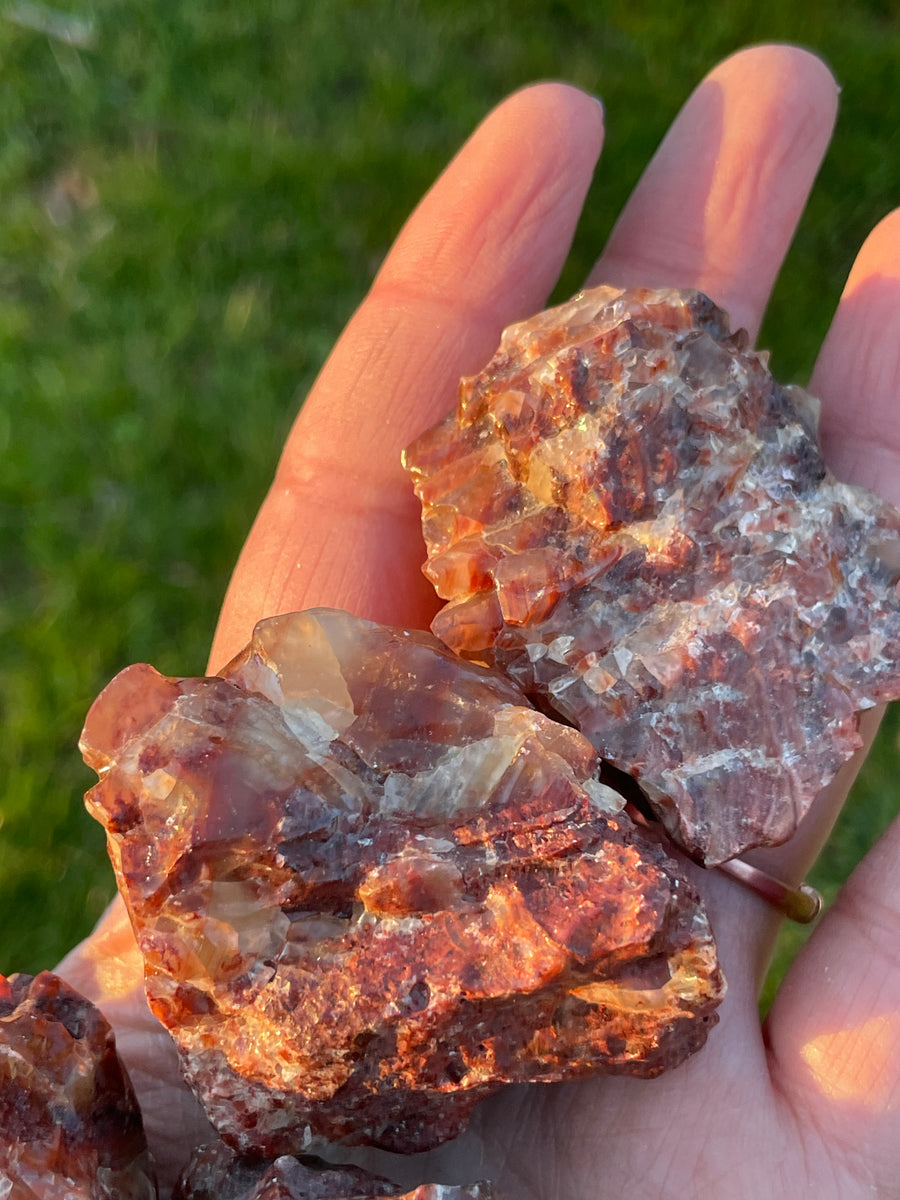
<point x="340" y="525"/>
<point x="834" y="1030"/>
<point x="857" y="376"/>
<point x="718" y="204"/>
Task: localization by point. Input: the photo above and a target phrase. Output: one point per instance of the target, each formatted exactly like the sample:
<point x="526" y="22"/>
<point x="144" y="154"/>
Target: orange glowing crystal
<point x="371" y="885"/>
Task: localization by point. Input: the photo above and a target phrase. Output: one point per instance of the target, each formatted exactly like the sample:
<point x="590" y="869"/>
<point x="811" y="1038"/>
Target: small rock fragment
<point x="219" y="1173"/>
<point x="70" y="1126"/>
<point x="371" y="885"/>
<point x="632" y="519"/>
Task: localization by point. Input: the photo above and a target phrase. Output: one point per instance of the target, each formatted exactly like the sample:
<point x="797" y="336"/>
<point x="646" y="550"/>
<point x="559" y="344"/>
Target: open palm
<point x="809" y="1104"/>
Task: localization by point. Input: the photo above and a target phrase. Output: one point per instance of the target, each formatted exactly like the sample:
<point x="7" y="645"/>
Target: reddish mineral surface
<point x="370" y="886"/>
<point x="633" y="520"/>
<point x="70" y="1127"/>
<point x="219" y="1173"/>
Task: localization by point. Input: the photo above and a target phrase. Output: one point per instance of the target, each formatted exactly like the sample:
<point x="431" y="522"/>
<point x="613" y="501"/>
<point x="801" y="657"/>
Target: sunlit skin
<point x="855" y="1065"/>
<point x="808" y="1104"/>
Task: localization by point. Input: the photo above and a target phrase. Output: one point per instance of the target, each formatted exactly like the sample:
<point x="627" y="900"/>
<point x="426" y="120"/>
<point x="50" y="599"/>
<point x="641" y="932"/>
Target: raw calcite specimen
<point x="219" y="1173"/>
<point x="370" y="886"/>
<point x="70" y="1126"/>
<point x="633" y="520"/>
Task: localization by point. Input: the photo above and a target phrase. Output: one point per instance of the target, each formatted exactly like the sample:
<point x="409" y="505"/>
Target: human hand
<point x="809" y="1103"/>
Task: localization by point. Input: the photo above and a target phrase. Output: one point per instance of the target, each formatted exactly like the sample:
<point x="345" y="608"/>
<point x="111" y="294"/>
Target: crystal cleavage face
<point x="631" y="519"/>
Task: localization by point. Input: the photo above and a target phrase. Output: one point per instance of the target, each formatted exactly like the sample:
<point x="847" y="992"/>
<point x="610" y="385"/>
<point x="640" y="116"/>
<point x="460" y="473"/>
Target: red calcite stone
<point x="70" y="1127"/>
<point x="632" y="520"/>
<point x="371" y="885"/>
<point x="219" y="1173"/>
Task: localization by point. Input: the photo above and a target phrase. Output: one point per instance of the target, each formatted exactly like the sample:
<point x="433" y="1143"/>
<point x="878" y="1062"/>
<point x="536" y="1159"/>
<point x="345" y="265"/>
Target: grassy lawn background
<point x="193" y="199"/>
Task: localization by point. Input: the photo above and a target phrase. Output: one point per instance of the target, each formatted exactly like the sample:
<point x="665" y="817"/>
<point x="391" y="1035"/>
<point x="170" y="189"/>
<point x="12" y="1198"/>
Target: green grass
<point x="191" y="205"/>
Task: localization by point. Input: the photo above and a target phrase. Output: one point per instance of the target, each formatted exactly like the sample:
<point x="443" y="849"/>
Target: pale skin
<point x="809" y="1103"/>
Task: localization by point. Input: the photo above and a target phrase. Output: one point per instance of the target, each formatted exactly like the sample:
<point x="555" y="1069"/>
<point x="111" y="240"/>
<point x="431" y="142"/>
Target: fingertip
<point x="516" y="185"/>
<point x="792" y="68"/>
<point x="719" y="202"/>
<point x="560" y="103"/>
<point x="857" y="375"/>
<point x="879" y="255"/>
